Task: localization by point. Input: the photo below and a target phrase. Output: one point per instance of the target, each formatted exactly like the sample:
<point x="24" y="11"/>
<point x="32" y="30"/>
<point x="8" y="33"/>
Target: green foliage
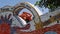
<point x="51" y="4"/>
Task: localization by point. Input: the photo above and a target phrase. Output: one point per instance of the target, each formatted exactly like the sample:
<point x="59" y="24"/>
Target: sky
<point x="14" y="2"/>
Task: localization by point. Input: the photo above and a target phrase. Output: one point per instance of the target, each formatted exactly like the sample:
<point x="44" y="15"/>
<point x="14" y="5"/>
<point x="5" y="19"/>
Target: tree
<point x="51" y="4"/>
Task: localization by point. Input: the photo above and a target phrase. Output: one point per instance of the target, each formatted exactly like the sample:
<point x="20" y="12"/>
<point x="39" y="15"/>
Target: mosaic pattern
<point x="53" y="29"/>
<point x="6" y="21"/>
